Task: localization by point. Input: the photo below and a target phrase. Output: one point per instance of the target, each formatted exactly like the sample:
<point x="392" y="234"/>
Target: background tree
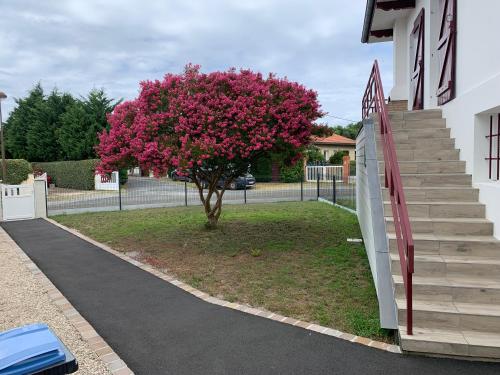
<point x="212" y="126"/>
<point x="81" y="124"/>
<point x="17" y="125"/>
<point x="56" y="127"/>
<point x="41" y="139"/>
<point x="321" y="130"/>
<point x="349" y="131"/>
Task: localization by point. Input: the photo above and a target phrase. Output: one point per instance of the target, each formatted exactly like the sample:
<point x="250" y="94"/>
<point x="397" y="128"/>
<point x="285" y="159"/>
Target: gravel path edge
<point x="88" y="334"/>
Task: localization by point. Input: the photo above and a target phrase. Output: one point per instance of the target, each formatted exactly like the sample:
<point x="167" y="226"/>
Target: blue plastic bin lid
<point x="29" y="349"/>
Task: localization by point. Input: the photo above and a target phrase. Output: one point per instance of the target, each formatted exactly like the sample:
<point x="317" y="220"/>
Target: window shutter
<point x="446" y="50"/>
<point x="417" y="75"/>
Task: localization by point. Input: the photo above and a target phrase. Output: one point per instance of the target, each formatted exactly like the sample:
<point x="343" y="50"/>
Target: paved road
<point x="143" y="192"/>
<point x="160" y="329"/>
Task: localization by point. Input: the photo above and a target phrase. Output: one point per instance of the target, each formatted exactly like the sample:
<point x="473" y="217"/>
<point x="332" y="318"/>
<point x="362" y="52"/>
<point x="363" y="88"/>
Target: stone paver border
<point x="247" y="309"/>
<point x="96" y="343"/>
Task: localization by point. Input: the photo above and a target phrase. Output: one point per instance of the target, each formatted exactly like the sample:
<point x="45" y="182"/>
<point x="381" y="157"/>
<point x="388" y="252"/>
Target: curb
<point x="235" y="306"/>
<point x="96" y="343"/>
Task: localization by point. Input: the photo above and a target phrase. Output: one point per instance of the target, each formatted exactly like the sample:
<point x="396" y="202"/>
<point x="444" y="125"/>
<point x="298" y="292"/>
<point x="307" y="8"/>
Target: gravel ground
<point x="23" y="301"/>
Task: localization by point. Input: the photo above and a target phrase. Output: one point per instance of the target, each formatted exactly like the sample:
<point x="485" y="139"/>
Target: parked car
<point x="179" y="177"/>
<point x="241" y="182"/>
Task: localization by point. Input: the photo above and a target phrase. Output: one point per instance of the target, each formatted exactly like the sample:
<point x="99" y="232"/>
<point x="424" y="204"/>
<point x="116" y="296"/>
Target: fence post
<point x="185" y="193"/>
<point x="46" y="200"/>
<point x="317" y="188"/>
<point x="119" y="193"/>
<point x="334" y="186"/>
<point x="301" y="189"/>
<point x="245" y="193"/>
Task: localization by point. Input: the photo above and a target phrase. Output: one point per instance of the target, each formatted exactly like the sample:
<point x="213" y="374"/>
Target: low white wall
<point x="102" y="183"/>
<point x="371" y="220"/>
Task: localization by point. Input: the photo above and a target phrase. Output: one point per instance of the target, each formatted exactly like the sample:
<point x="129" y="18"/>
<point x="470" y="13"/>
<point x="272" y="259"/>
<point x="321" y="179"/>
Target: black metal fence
<point x="149" y="192"/>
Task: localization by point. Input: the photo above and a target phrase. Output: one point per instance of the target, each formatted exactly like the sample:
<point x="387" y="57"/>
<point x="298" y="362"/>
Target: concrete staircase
<point x="456" y="285"/>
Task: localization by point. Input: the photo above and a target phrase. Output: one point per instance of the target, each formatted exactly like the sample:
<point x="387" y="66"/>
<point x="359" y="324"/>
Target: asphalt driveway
<point x="157" y="328"/>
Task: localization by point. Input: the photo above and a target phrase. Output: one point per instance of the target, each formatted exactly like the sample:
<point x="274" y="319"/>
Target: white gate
<point x="18" y="202"/>
<point x="324" y="172"/>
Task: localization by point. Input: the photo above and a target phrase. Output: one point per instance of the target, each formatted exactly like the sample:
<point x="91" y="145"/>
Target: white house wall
<point x="477" y="83"/>
<point x="400" y="61"/>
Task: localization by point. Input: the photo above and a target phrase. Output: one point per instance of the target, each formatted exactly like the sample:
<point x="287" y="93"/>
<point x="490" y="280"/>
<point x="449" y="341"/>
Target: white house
<point x="447" y="56"/>
<point x="429" y="163"/>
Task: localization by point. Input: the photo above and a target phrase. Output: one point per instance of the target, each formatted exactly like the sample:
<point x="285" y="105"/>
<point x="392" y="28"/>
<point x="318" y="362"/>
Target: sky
<point x="114" y="44"/>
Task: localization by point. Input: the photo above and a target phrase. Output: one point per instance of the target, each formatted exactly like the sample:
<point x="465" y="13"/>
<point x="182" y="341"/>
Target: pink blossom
<point x="195" y="118"/>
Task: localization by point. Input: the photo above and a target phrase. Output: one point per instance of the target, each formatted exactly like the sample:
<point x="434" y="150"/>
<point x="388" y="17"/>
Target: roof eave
<point x="334" y="144"/>
<point x="370" y="8"/>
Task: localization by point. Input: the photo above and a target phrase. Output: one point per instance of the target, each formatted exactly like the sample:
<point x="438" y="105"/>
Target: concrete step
<point x="416" y="115"/>
<point x="451" y="245"/>
<point x="446" y="226"/>
<point x="451" y="266"/>
<point x="451" y="289"/>
<point x="441" y="209"/>
<point x="404" y="143"/>
<point x="433" y="123"/>
<point x="415" y="135"/>
<point x="452" y="316"/>
<point x="433" y="179"/>
<point x="481" y="345"/>
<point x="435" y="154"/>
<point x="426" y="155"/>
<point x="442" y="194"/>
<point x="440" y="166"/>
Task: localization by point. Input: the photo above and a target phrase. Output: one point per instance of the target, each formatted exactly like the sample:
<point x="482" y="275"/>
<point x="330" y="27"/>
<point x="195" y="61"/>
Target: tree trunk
<point x="212" y="212"/>
<point x="211" y="222"/>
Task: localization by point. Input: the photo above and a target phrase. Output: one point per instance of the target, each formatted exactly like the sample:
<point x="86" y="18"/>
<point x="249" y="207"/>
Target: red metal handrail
<point x="374" y="102"/>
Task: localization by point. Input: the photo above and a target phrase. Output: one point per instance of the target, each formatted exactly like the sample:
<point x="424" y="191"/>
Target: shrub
<point x="261" y="169"/>
<point x="294" y="173"/>
<point x="314" y="155"/>
<point x="17" y="171"/>
<point x="123" y="176"/>
<point x="336" y="159"/>
<point x="70" y="174"/>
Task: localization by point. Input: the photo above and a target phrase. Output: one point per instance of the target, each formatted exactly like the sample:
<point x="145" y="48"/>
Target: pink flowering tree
<point x="210" y="126"/>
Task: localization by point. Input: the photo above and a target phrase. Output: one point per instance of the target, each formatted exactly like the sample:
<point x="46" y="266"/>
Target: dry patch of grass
<point x="289" y="258"/>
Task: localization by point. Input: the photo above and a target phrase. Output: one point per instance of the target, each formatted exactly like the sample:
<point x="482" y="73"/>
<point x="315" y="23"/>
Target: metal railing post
<point x="317" y="187"/>
<point x="185" y="193"/>
<point x="119" y="193"/>
<point x="46" y="200"/>
<point x="301" y="189"/>
<point x="334" y="187"/>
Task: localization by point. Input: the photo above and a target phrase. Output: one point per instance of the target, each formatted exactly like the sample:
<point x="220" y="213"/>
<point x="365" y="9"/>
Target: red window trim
<point x="447" y="40"/>
<point x="491" y="159"/>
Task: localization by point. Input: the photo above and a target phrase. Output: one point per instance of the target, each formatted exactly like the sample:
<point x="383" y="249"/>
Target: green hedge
<point x="70" y="174"/>
<point x="261" y="169"/>
<point x="294" y="173"/>
<point x="17" y="171"/>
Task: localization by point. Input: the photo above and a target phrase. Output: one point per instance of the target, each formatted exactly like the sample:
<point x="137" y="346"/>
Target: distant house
<point x="334" y="143"/>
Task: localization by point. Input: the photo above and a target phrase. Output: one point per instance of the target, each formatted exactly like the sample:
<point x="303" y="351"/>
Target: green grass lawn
<point x="289" y="258"/>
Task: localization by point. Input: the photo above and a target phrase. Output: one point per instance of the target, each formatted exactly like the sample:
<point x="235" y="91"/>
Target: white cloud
<point x="78" y="45"/>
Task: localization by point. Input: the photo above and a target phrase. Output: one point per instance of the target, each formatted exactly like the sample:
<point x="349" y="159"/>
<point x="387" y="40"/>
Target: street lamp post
<point x="4" y="165"/>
